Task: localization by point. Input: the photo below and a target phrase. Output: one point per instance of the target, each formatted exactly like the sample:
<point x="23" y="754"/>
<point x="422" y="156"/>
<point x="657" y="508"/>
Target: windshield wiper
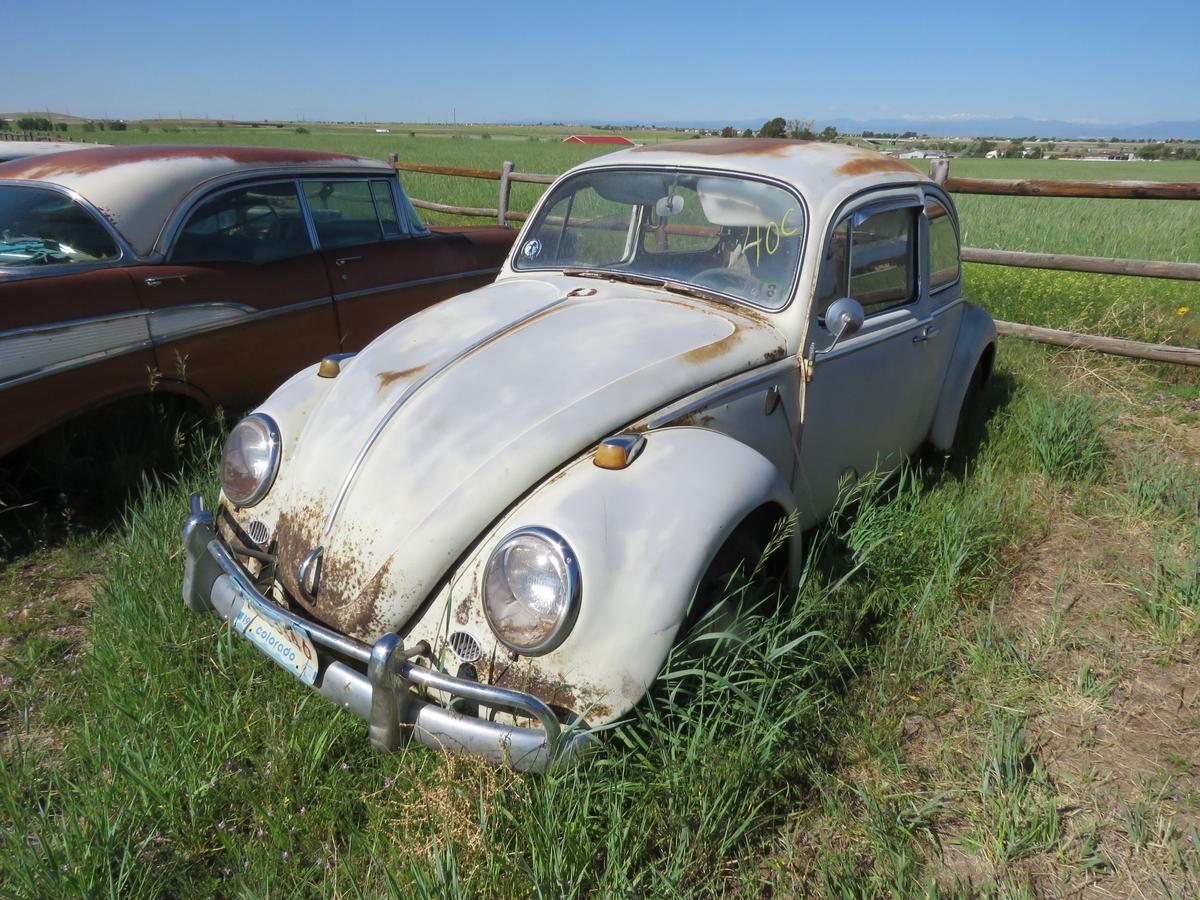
<point x="675" y="287"/>
<point x="689" y="290"/>
<point x="609" y="274"/>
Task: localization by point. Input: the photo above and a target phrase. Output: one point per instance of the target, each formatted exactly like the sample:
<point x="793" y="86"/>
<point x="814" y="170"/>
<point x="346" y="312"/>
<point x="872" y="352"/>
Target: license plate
<point x="289" y="646"/>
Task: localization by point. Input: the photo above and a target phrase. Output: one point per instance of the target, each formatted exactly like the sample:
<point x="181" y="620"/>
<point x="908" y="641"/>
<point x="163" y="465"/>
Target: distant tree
<point x="89" y="126"/>
<point x="118" y="125"/>
<point x="34" y="123"/>
<point x="1150" y="151"/>
<point x="748" y="132"/>
<point x="301" y="130"/>
<point x="60" y="126"/>
<point x="728" y="131"/>
<point x="800" y="129"/>
<point x="4" y="126"/>
<point x="220" y="123"/>
<point x="773" y="128"/>
<point x="828" y="133"/>
<point x="1035" y="152"/>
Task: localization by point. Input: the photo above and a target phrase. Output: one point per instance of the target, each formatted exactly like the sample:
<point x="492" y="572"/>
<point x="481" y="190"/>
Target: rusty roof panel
<point x="139" y="187"/>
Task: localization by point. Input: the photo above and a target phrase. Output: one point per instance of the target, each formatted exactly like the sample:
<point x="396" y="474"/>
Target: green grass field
<point x="984" y="686"/>
<point x="1137" y="308"/>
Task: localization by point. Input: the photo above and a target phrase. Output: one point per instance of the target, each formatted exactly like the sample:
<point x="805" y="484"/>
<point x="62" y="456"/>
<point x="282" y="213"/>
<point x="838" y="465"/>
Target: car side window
<point x="385" y="206"/>
<point x="835" y="267"/>
<point x="343" y="212"/>
<point x="883" y="271"/>
<point x="41" y="228"/>
<point x="943" y="246"/>
<point x="257" y="224"/>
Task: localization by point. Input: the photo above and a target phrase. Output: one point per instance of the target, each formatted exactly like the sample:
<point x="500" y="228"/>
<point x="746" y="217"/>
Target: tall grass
<point x="190" y="766"/>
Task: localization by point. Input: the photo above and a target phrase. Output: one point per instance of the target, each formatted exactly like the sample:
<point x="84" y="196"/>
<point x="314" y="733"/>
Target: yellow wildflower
<point x="1183" y="310"/>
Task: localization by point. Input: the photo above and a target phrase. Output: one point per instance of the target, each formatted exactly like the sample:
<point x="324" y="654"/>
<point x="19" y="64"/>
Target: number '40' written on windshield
<point x="767" y="238"/>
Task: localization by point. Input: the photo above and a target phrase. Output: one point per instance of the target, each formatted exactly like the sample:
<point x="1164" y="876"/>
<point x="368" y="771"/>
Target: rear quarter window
<point x="943" y="246"/>
<point x="40" y="227"/>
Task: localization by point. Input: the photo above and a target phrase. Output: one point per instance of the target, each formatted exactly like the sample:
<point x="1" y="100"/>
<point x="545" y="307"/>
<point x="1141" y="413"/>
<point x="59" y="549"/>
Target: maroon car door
<point x="243" y="301"/>
<point x="381" y="270"/>
<point x="70" y="342"/>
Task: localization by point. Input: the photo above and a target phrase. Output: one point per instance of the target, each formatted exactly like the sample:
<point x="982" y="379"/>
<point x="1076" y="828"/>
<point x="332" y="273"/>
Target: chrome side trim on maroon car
<point x="386" y="694"/>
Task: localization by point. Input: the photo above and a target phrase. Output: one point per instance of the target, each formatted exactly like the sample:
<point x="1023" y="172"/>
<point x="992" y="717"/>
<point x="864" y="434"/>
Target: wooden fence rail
<point x="940" y="172"/>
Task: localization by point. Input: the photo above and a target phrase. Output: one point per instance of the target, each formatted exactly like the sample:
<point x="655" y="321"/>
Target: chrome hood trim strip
<point x="412" y="389"/>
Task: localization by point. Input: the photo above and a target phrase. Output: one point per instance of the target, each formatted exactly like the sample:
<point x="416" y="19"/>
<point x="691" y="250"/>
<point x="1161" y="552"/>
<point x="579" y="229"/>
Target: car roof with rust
<point x="825" y="173"/>
<point x="137" y="188"/>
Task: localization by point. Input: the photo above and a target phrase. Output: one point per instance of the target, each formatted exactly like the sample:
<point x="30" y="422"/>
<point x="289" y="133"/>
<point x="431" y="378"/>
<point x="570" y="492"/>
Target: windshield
<point x="723" y="233"/>
<point x="39" y="227"/>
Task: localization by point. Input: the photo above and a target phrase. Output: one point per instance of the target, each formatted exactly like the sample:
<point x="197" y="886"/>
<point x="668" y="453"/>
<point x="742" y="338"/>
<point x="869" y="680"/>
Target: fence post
<point x="393" y="158"/>
<point x="505" y="187"/>
<point x="939" y="170"/>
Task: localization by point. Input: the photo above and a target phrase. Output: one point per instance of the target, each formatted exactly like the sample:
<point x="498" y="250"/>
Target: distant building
<point x="597" y="139"/>
<point x="921" y="154"/>
<point x="383" y="131"/>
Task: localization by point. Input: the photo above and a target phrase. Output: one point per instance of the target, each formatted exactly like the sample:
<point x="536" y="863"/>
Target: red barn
<point x="597" y="139"/>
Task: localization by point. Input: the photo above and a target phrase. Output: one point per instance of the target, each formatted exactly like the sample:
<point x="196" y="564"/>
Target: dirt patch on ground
<point x="1111" y="707"/>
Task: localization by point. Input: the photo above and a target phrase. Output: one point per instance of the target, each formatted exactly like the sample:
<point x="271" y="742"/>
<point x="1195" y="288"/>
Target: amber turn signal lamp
<point x="619" y="451"/>
<point x="329" y="368"/>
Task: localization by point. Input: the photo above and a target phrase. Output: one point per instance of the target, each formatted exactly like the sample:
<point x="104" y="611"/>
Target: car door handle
<point x="927" y="334"/>
<point x="156" y="280"/>
<point x="342" y="260"/>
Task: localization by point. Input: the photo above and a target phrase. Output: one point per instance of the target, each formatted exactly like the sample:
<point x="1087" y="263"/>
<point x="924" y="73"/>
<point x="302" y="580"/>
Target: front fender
<point x="976" y="333"/>
<point x="644" y="536"/>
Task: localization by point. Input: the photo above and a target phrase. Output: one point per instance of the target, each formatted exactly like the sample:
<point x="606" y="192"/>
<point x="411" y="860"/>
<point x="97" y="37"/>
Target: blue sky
<point x="616" y="61"/>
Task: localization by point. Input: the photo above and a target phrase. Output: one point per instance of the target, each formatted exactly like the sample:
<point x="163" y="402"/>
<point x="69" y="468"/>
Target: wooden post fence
<point x="939" y="172"/>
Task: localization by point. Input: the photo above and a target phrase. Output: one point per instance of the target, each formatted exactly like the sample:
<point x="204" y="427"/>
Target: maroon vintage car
<point x="210" y="273"/>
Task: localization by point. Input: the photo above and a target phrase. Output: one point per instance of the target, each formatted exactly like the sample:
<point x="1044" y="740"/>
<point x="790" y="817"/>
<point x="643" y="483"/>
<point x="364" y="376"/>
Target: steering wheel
<point x="728" y="280"/>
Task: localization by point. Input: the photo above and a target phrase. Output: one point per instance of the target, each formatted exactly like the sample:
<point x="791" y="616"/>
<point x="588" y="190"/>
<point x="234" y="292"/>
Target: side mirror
<point x="844" y="317"/>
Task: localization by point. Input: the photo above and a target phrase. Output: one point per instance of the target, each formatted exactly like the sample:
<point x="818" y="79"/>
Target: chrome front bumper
<point x="386" y="696"/>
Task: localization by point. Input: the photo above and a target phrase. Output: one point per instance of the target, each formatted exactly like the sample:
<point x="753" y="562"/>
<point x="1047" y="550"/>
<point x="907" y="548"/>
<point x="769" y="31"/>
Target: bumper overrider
<point x="386" y="695"/>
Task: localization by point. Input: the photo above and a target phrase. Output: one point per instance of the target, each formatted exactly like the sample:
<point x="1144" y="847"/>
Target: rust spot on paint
<point x="97" y="159"/>
<point x="462" y="613"/>
<point x="698" y="419"/>
<point x="528" y="677"/>
<point x="341" y="602"/>
<point x="716" y="349"/>
<point x="387" y="379"/>
<point x="726" y="147"/>
<point x="873" y="164"/>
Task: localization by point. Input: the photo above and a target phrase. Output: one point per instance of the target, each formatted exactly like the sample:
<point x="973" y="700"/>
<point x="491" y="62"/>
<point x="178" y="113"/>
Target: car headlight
<point x="531" y="589"/>
<point x="250" y="459"/>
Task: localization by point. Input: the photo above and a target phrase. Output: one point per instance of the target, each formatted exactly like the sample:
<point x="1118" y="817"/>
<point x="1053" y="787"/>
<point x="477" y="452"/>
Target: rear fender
<point x="644" y="536"/>
<point x="976" y="334"/>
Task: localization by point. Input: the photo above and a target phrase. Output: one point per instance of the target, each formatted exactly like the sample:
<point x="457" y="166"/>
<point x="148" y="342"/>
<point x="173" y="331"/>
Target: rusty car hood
<point x="440" y="424"/>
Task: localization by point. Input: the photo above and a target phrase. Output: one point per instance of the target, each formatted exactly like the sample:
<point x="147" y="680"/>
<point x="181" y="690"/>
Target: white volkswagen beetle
<point x="484" y="530"/>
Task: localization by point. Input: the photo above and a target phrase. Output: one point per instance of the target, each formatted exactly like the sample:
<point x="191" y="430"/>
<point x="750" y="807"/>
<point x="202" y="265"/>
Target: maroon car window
<point x="343" y="211"/>
<point x="385" y="205"/>
<point x="39" y="227"/>
<point x="257" y="224"/>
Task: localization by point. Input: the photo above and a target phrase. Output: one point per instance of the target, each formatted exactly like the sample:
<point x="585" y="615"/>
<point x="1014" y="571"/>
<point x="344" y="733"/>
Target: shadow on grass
<point x="976" y="426"/>
<point x="81" y="476"/>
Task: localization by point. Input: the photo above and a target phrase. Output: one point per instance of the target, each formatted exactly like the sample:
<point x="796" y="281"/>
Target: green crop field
<point x="985" y="684"/>
<point x="1142" y="309"/>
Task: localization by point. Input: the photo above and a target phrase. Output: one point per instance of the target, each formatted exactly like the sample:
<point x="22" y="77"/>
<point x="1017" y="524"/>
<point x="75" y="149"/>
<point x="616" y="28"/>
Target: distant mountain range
<point x="986" y="127"/>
